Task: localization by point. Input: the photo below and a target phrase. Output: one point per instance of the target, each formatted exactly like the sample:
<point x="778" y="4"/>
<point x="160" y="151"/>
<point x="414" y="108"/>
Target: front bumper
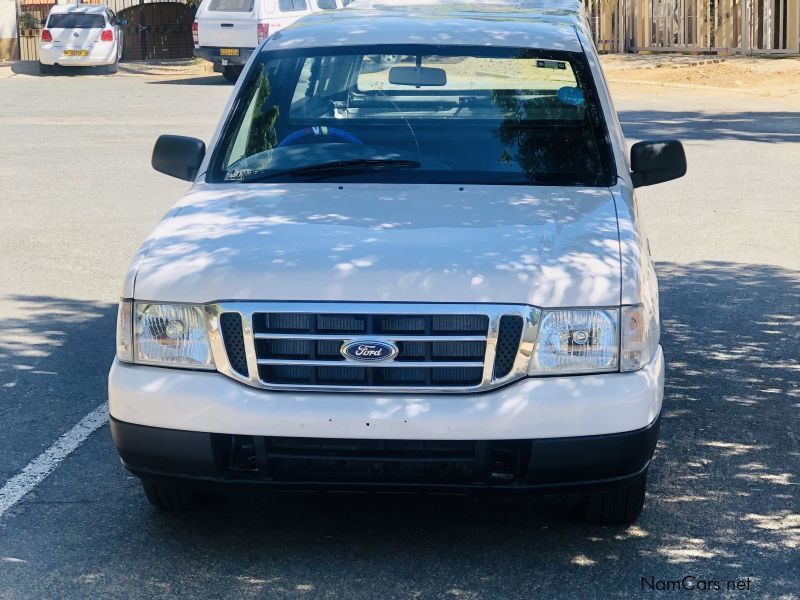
<point x="533" y="408"/>
<point x="550" y="434"/>
<point x="569" y="465"/>
<point x="213" y="55"/>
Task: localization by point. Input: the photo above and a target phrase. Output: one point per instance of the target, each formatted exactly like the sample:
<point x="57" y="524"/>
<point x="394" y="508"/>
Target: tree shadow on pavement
<point x="54" y="359"/>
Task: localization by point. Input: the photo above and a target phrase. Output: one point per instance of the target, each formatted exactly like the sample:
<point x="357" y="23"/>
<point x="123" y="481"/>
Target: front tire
<point x="232" y="73"/>
<point x="168" y="497"/>
<point x="621" y="506"/>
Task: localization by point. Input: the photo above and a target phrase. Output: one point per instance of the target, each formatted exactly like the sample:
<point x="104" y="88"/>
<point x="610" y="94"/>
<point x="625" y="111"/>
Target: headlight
<point x="640" y="334"/>
<point x="169" y="335"/>
<point x="576" y="341"/>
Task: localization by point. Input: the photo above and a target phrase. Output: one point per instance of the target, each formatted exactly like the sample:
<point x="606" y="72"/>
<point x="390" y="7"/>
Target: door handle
<point x="226" y="24"/>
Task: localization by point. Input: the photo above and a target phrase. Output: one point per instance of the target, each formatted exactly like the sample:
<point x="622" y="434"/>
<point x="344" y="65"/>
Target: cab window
<point x="292" y="5"/>
<point x="231" y="5"/>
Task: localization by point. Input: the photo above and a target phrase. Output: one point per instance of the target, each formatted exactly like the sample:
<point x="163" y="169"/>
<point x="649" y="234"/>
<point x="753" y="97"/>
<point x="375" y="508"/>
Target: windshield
<point x="417" y="114"/>
<point x="76" y="21"/>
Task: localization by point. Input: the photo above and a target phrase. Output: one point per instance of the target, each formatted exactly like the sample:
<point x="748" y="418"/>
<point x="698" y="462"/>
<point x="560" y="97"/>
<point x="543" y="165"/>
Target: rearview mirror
<point x="417" y="76"/>
<point x="178" y="156"/>
<point x="657" y="162"/>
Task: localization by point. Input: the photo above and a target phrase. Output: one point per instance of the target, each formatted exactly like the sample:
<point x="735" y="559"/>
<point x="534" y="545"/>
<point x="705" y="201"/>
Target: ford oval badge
<point x="364" y="350"/>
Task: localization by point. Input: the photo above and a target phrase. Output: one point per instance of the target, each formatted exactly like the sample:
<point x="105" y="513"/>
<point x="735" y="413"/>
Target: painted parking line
<point x="40" y="467"/>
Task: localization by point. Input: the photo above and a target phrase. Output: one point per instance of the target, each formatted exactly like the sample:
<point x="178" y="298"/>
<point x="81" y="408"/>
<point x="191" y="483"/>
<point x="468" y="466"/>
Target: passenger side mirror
<point x="122" y="22"/>
<point x="178" y="156"/>
<point x="657" y="162"/>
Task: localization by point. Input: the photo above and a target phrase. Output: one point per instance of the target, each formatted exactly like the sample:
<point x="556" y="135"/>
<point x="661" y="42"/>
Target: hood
<point x="545" y="246"/>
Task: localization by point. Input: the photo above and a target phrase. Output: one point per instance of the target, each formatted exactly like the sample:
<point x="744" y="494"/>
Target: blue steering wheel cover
<point x="298" y="135"/>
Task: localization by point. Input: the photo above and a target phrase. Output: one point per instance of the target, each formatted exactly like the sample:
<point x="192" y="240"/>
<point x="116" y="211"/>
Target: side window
<point x="326" y="4"/>
<point x="292" y="5"/>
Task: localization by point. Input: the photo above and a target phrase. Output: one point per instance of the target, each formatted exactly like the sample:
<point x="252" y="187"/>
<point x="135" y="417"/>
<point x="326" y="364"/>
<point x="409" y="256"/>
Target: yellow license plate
<point x="229" y="52"/>
<point x="76" y="53"/>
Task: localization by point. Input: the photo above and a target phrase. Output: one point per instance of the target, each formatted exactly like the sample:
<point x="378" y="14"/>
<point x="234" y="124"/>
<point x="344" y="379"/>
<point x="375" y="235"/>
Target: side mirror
<point x="657" y="162"/>
<point x="122" y="22"/>
<point x="43" y="22"/>
<point x="178" y="156"/>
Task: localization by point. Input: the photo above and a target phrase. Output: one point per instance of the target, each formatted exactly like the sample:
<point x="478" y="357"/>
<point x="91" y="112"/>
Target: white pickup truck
<point x="428" y="275"/>
<point x="226" y="32"/>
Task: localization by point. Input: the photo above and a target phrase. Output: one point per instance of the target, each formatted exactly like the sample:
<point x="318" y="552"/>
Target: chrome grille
<point x="442" y="347"/>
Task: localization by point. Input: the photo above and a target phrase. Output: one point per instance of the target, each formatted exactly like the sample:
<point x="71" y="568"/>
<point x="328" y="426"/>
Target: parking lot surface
<point x="723" y="506"/>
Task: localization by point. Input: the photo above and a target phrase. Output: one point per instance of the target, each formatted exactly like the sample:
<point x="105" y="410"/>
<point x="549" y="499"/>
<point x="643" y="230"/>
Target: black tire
<point x="46" y="69"/>
<point x="232" y="73"/>
<point x="621" y="506"/>
<point x="169" y="497"/>
<point x="111" y="69"/>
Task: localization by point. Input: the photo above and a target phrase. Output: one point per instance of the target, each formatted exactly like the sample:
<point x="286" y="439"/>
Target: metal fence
<point x="709" y="26"/>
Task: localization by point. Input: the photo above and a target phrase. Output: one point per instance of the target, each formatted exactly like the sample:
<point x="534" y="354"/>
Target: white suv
<point x="425" y="276"/>
<point x="226" y="32"/>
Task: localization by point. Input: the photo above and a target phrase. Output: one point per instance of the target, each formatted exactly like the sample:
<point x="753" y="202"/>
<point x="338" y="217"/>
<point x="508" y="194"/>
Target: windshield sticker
<point x="551" y="64"/>
<point x="238" y="174"/>
<point x="570" y="96"/>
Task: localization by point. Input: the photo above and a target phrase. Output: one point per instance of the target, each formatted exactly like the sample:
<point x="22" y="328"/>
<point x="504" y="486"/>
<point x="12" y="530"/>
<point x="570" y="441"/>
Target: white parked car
<point x="226" y="32"/>
<point x="428" y="276"/>
<point x="80" y="35"/>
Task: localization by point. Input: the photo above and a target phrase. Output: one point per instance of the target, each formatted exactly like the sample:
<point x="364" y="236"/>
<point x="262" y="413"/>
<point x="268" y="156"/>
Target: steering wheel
<point x="314" y="132"/>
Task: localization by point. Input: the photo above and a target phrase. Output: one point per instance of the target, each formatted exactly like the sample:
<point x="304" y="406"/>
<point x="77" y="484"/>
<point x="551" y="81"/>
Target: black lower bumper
<point x="213" y="55"/>
<point x="573" y="464"/>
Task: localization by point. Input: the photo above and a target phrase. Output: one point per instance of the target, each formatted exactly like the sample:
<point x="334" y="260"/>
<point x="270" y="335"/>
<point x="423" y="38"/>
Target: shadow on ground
<point x="31" y="67"/>
<point x="54" y="358"/>
<point x="194" y="80"/>
<point x="766" y="127"/>
<point x="722" y="504"/>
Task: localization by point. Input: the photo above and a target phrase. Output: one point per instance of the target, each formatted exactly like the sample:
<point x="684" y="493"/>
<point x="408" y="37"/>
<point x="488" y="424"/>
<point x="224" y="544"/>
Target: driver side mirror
<point x="178" y="156"/>
<point x="657" y="162"/>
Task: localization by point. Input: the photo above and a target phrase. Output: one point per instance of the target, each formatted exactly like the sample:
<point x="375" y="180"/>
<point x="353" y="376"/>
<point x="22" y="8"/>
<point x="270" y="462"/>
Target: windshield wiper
<point x="336" y="167"/>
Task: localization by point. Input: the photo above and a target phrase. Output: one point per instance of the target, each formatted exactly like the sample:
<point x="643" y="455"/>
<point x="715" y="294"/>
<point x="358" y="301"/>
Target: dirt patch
<point x="762" y="76"/>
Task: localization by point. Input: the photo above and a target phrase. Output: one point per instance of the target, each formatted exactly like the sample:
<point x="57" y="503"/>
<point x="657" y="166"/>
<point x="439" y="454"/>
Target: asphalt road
<point x="78" y="197"/>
